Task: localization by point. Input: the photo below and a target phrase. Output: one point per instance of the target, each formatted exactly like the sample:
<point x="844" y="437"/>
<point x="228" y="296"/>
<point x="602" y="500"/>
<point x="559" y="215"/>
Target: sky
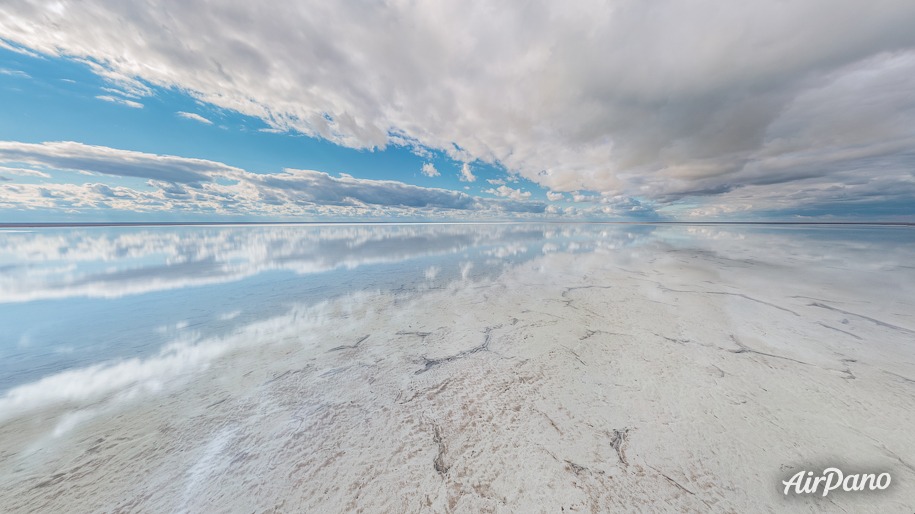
<point x="472" y="110"/>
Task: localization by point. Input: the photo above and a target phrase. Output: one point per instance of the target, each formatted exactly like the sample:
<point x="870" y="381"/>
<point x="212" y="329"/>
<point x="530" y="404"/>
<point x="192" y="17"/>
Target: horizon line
<point x="54" y="224"/>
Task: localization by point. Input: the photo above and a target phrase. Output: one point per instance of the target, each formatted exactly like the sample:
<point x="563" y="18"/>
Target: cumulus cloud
<point x="466" y="174"/>
<point x="624" y="206"/>
<point x="660" y="101"/>
<point x="429" y="170"/>
<point x="507" y="192"/>
<point x="554" y="197"/>
<point x="578" y="197"/>
<point x="195" y="117"/>
<point x="201" y="186"/>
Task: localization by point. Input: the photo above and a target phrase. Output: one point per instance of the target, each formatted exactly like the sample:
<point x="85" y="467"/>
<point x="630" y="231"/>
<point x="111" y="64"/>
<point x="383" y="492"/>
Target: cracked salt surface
<point x="692" y="370"/>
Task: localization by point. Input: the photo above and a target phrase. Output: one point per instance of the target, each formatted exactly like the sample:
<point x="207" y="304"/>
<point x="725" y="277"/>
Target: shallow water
<point x="133" y="322"/>
<point x="77" y="297"/>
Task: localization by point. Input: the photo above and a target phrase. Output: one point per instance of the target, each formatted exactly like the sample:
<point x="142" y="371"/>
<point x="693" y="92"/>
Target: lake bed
<point x="454" y="367"/>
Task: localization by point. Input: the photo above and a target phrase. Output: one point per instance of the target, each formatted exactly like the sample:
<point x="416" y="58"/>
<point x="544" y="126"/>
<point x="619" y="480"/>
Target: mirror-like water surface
<point x="182" y="362"/>
<point x="72" y="298"/>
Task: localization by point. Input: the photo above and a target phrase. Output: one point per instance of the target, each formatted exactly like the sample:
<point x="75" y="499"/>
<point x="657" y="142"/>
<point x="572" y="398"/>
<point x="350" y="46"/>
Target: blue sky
<point x="47" y="106"/>
<point x="195" y="112"/>
<point x="50" y="98"/>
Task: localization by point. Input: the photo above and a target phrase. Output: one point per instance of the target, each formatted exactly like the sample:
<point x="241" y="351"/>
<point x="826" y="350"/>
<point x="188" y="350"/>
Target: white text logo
<point x="804" y="482"/>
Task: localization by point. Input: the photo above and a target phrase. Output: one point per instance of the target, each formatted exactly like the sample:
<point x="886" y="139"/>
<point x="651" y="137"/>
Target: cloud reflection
<point x="120" y="264"/>
<point x="113" y="263"/>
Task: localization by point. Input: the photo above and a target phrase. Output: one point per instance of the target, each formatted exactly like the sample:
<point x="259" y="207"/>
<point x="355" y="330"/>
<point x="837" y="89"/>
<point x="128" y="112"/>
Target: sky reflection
<point x="71" y="298"/>
<point x="76" y="298"/>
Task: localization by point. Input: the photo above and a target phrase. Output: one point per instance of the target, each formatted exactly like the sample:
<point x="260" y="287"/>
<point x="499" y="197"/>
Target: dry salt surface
<point x="649" y="380"/>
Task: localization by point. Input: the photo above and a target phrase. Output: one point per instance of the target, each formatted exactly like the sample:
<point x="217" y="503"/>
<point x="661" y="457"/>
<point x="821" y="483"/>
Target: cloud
<point x="554" y="197"/>
<point x="507" y="192"/>
<point x="466" y="175"/>
<point x="626" y="207"/>
<point x="17" y="49"/>
<point x="14" y="73"/>
<point x="121" y="101"/>
<point x="663" y="101"/>
<point x="321" y="188"/>
<point x="24" y="172"/>
<point x="198" y="186"/>
<point x="195" y="117"/>
<point x="69" y="155"/>
<point x="578" y="197"/>
<point x="429" y="170"/>
<point x="118" y="92"/>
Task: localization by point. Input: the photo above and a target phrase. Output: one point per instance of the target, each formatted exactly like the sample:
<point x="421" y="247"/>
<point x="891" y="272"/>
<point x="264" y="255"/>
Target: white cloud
<point x="584" y="198"/>
<point x="23" y="172"/>
<point x="466" y="174"/>
<point x="121" y="101"/>
<point x="199" y="186"/>
<point x="429" y="170"/>
<point x="14" y="73"/>
<point x="507" y="192"/>
<point x="117" y="91"/>
<point x="554" y="197"/>
<point x="662" y="101"/>
<point x="17" y="49"/>
<point x="69" y="155"/>
<point x="195" y="117"/>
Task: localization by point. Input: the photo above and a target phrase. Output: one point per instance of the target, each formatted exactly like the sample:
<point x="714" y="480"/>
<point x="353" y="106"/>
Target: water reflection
<point x="70" y="298"/>
<point x="73" y="298"/>
<point x="237" y="352"/>
<point x="117" y="262"/>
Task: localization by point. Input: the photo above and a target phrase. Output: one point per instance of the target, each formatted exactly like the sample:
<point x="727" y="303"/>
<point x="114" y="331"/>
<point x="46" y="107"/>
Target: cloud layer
<point x="733" y="104"/>
<point x="202" y="186"/>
